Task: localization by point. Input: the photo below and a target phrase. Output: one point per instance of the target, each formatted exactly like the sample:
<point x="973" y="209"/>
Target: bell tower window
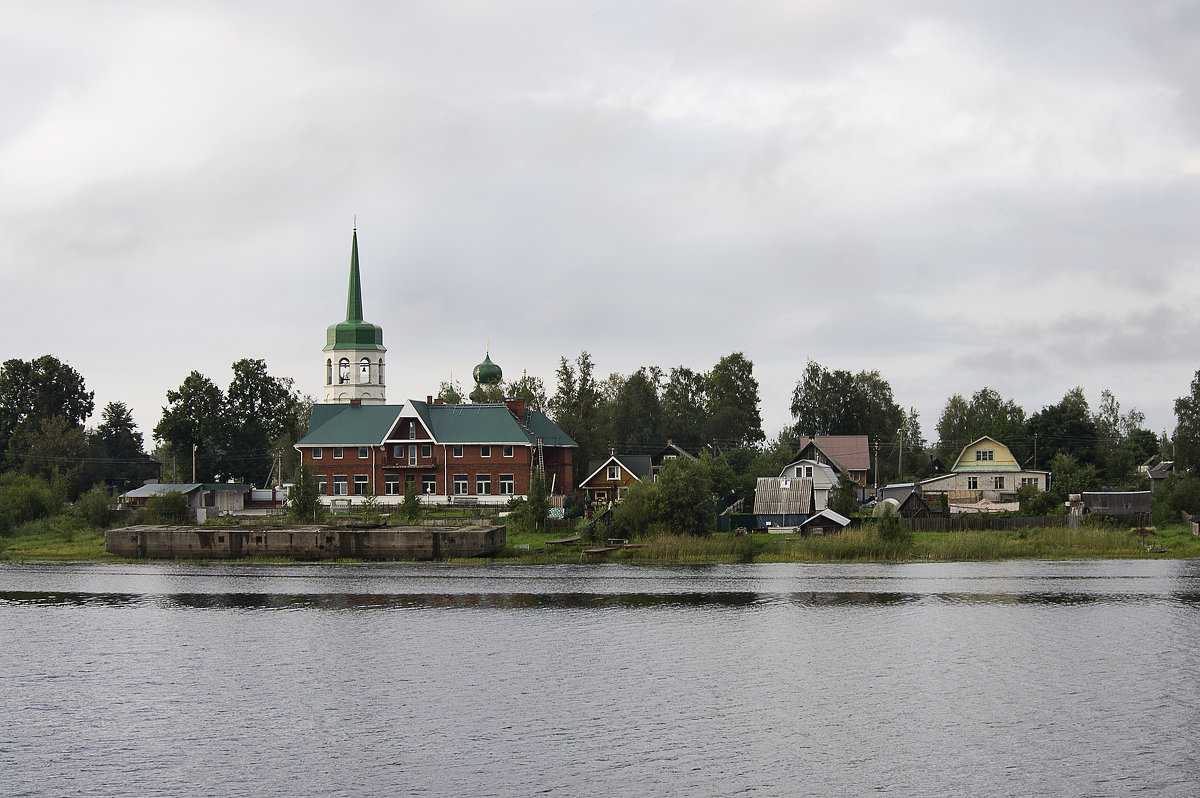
<point x="364" y="371"/>
<point x="328" y="371"/>
<point x="344" y="371"/>
<point x="381" y="371"/>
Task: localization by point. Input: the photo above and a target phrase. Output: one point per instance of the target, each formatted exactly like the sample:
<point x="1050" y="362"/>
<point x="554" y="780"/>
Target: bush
<point x="892" y="528"/>
<point x="24" y="498"/>
<point x="168" y="508"/>
<point x="93" y="507"/>
<point x="410" y="509"/>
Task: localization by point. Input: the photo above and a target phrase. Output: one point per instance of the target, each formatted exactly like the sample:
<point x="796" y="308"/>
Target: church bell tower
<point x="354" y="350"/>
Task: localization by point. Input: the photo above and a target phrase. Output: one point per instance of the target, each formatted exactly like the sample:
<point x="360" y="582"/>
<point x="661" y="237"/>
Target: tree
<point x="450" y="392"/>
<point x="1187" y="428"/>
<point x="577" y="409"/>
<point x="843" y="499"/>
<point x="1068" y="476"/>
<point x="410" y="508"/>
<point x="840" y="403"/>
<point x="733" y="415"/>
<point x="116" y="448"/>
<point x="1065" y="427"/>
<point x="304" y="503"/>
<point x="195" y="417"/>
<point x="31" y="391"/>
<point x="537" y="506"/>
<point x="685" y="403"/>
<point x="262" y="416"/>
<point x="684" y="501"/>
<point x="52" y="448"/>
<point x="987" y="413"/>
<point x="531" y="389"/>
<point x="635" y="411"/>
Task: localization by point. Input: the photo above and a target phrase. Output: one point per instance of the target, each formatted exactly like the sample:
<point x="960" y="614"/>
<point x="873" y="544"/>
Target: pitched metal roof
<point x="371" y="425"/>
<point x="159" y="488"/>
<point x="776" y="496"/>
<point x="636" y="464"/>
<point x="851" y="452"/>
<point x="350" y="425"/>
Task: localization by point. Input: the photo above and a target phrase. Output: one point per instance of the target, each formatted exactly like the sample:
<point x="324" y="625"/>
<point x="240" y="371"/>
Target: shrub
<point x="410" y="509"/>
<point x="93" y="507"/>
<point x="24" y="498"/>
<point x="168" y="508"/>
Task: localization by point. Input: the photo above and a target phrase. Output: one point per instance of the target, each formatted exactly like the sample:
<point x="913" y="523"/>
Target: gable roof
<point x="372" y="425"/>
<point x="848" y="452"/>
<point x="1004" y="460"/>
<point x="832" y="515"/>
<point x="776" y="496"/>
<point x="829" y="471"/>
<point x="637" y="465"/>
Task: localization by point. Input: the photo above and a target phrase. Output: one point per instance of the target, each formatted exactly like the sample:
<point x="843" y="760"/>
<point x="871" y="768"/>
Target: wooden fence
<point x="980" y="521"/>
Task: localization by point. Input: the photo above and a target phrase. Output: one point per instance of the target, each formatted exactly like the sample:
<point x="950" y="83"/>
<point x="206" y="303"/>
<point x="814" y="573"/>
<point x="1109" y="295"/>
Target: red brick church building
<point x="358" y="444"/>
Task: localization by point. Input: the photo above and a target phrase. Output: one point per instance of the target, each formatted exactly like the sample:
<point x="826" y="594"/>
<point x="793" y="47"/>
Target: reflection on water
<point x="327" y="680"/>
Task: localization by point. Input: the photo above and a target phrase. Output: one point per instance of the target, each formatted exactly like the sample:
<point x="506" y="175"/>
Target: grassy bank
<point x="863" y="544"/>
<point x="68" y="538"/>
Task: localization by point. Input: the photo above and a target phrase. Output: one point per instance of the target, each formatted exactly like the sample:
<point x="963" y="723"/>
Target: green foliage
<point x="1069" y="476"/>
<point x="634" y="515"/>
<point x="1067" y="427"/>
<point x="733" y="415"/>
<point x="987" y="413"/>
<point x="35" y="390"/>
<point x="843" y="499"/>
<point x="170" y="507"/>
<point x="684" y="501"/>
<point x="304" y="502"/>
<point x="1187" y="429"/>
<point x="410" y="508"/>
<point x="891" y="528"/>
<point x="1039" y="502"/>
<point x="94" y="507"/>
<point x="537" y="506"/>
<point x="24" y="498"/>
<point x="1181" y="494"/>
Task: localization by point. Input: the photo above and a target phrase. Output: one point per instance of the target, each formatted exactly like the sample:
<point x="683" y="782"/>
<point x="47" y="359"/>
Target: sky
<point x="958" y="194"/>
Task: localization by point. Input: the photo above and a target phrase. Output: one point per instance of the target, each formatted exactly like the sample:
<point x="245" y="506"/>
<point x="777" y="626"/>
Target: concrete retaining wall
<point x="304" y="543"/>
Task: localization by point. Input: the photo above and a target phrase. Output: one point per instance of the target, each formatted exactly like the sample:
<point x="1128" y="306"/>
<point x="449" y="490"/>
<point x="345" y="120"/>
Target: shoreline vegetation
<point x="49" y="540"/>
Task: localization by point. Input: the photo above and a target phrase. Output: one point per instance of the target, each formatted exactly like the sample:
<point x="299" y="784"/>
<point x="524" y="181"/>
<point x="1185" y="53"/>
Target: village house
<point x="848" y="455"/>
<point x="358" y="445"/>
<point x="984" y="471"/>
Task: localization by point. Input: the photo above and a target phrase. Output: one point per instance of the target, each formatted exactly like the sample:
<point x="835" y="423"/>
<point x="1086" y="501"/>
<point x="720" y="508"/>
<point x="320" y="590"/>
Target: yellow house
<point x="986" y="469"/>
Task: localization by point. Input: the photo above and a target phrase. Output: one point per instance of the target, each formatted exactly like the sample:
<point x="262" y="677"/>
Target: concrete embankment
<point x="304" y="543"/>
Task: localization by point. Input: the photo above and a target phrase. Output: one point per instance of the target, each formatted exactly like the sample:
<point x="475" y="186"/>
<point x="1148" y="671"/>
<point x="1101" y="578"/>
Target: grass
<point x="67" y="537"/>
<point x="60" y="538"/>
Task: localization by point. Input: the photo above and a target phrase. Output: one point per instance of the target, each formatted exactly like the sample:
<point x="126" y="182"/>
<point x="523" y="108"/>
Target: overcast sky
<point x="958" y="194"/>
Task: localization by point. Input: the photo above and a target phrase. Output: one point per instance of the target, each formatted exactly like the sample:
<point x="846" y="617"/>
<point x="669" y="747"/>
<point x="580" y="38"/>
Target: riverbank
<point x="48" y="541"/>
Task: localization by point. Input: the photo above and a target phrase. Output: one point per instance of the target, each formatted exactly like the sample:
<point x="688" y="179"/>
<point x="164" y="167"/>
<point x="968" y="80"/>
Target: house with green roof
<point x="358" y="445"/>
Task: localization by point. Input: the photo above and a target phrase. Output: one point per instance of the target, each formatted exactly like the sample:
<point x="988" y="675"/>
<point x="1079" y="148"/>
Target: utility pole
<point x="1035" y="451"/>
<point x="877" y="468"/>
<point x="194" y="448"/>
<point x="900" y="456"/>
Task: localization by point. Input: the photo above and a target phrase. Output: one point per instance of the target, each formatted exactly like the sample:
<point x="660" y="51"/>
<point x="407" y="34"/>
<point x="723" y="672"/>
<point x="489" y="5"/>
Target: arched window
<point x="381" y="371"/>
<point x="344" y="371"/>
<point x="329" y="371"/>
<point x="364" y="371"/>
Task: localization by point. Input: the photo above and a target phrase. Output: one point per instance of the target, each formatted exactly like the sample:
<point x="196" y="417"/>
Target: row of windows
<point x="998" y="482"/>
<point x="985" y="455"/>
<point x="391" y="484"/>
<point x="400" y="451"/>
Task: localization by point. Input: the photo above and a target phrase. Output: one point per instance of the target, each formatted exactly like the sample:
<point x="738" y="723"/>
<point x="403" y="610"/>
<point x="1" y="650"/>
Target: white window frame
<point x="507" y="451"/>
<point x="362" y="484"/>
<point x="461" y="485"/>
<point x="427" y="450"/>
<point x="485" y="450"/>
<point x="613" y="472"/>
<point x="317" y="453"/>
<point x="412" y="454"/>
<point x="507" y="482"/>
<point x="456" y="451"/>
<point x="322" y="484"/>
<point x="398" y="451"/>
<point x="363" y="454"/>
<point x="972" y="483"/>
<point x="337" y="452"/>
<point x="428" y="483"/>
<point x="391" y="484"/>
<point x="483" y="484"/>
<point x="341" y="481"/>
<point x="998" y="483"/>
<point x="412" y="430"/>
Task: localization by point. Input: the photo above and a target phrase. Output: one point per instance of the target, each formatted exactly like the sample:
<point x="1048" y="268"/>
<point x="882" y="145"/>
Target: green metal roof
<point x="370" y="425"/>
<point x="353" y="333"/>
<point x="350" y="425"/>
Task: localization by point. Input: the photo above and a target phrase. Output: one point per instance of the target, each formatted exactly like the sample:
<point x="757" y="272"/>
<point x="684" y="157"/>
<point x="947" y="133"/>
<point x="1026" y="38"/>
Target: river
<point x="980" y="679"/>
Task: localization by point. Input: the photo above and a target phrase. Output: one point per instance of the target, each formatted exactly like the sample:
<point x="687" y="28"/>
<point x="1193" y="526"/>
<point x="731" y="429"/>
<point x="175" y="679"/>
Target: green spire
<point x="354" y="333"/>
<point x="354" y="295"/>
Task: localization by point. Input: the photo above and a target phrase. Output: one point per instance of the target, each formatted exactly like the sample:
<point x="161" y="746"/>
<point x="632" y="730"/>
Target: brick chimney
<point x="516" y="407"/>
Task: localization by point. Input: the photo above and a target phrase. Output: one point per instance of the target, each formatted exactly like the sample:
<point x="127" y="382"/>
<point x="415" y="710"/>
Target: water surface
<point x="1015" y="678"/>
